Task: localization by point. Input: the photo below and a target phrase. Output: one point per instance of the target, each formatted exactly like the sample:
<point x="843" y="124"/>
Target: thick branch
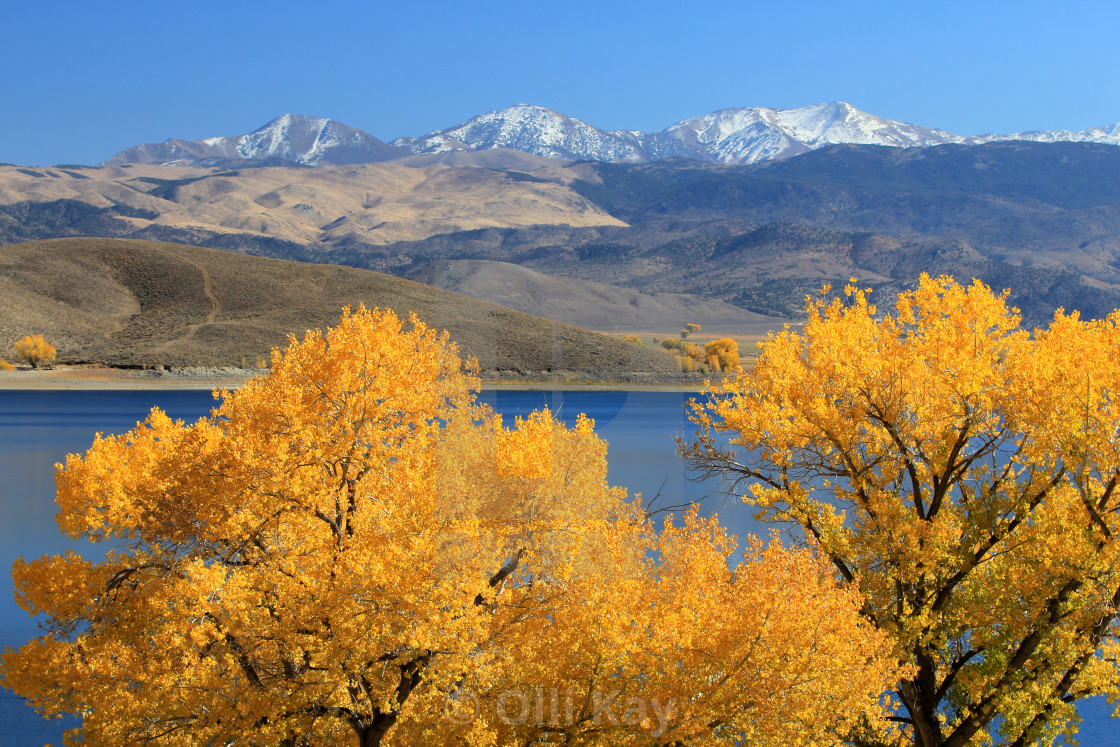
<point x="981" y="714"/>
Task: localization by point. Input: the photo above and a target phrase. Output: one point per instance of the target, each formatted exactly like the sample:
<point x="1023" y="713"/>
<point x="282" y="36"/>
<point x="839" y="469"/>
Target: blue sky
<point x="83" y="80"/>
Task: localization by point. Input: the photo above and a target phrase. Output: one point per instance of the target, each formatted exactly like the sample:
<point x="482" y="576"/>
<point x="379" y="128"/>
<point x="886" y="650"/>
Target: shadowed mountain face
<point x="124" y="302"/>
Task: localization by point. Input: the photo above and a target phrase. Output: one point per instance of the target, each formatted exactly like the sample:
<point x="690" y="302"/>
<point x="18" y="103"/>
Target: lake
<point x="38" y="429"/>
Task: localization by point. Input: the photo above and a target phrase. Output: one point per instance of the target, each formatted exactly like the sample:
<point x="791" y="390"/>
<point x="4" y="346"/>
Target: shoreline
<point x="90" y="378"/>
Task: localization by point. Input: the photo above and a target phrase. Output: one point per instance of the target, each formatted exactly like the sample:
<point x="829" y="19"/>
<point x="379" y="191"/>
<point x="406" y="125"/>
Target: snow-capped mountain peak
<point x="290" y="139"/>
<point x="743" y="135"/>
<point x="532" y="129"/>
<point x="755" y="134"/>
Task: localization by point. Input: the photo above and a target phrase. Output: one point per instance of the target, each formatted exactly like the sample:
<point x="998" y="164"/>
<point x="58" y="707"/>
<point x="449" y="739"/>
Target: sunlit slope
<point x="363" y="204"/>
<point x="128" y="302"/>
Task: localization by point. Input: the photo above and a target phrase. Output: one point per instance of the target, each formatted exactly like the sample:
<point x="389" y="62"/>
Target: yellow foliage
<point x="964" y="474"/>
<point x="5" y="366"/>
<point x="352" y="549"/>
<point x="725" y="351"/>
<point x="669" y="649"/>
<point x="36" y="351"/>
<point x="632" y="339"/>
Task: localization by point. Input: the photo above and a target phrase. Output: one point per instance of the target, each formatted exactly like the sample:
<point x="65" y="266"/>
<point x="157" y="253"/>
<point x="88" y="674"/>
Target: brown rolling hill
<point x="127" y="302"/>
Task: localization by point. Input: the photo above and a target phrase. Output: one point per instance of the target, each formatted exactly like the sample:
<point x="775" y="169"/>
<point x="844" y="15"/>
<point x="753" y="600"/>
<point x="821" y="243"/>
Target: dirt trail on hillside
<point x="207" y="289"/>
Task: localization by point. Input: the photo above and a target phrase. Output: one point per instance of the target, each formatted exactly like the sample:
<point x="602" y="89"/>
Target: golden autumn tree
<point x="723" y="355"/>
<point x="35" y="351"/>
<point x="352" y="550"/>
<point x="681" y="650"/>
<point x="964" y="473"/>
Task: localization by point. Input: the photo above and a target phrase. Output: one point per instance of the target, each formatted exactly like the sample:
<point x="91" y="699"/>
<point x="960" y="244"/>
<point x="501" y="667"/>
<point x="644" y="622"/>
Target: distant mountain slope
<point x="148" y="303"/>
<point x="1053" y="206"/>
<point x="589" y="304"/>
<point x="1062" y="174"/>
<point x="768" y="268"/>
<point x="288" y="140"/>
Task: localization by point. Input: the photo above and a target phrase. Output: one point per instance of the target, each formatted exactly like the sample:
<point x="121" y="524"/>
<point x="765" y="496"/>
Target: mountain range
<point x="729" y="136"/>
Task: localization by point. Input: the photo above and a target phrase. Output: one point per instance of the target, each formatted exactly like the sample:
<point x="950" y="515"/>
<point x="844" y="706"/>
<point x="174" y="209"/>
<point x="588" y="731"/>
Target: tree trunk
<point x="371" y="736"/>
<point x="923" y="717"/>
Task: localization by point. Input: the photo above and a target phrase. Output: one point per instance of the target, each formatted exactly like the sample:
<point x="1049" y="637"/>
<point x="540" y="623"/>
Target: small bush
<point x="5" y="366"/>
<point x="633" y="340"/>
<point x="36" y="351"/>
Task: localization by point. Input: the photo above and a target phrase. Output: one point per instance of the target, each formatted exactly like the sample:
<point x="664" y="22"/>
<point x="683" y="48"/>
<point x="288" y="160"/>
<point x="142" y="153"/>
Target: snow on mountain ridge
<point x="1107" y="134"/>
<point x="754" y="134"/>
<point x="288" y="139"/>
<point x="735" y="136"/>
<point x="732" y="136"/>
<point x="532" y="129"/>
<point x="276" y="139"/>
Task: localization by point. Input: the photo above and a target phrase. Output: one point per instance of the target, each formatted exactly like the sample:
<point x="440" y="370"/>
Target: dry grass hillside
<point x="364" y="204"/>
<point x="139" y="303"/>
<point x="588" y="304"/>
